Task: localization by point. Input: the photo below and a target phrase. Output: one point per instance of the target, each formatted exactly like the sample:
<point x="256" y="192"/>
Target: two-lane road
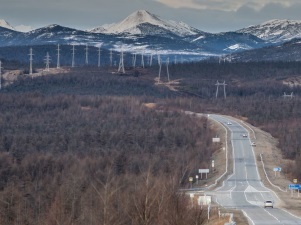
<point x="244" y="189"/>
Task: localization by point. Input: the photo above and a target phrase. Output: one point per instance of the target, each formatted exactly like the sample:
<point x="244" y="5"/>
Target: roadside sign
<point x="216" y="140"/>
<point x="277" y="169"/>
<point x="206" y="171"/>
<point x="295" y="181"/>
<point x="190" y="179"/>
<point x="212" y="163"/>
<point x="294" y="186"/>
<point x="204" y="200"/>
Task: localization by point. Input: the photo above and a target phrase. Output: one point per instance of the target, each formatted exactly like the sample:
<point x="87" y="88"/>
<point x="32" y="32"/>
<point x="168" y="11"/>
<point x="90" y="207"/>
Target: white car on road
<point x="268" y="204"/>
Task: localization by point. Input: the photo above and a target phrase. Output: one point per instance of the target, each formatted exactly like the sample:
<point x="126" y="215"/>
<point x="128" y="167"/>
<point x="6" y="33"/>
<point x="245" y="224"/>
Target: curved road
<point x="244" y="189"/>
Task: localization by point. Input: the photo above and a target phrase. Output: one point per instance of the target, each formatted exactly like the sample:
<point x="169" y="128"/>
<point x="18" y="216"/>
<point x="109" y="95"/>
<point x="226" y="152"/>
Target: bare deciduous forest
<point x="97" y="160"/>
<point x="81" y="148"/>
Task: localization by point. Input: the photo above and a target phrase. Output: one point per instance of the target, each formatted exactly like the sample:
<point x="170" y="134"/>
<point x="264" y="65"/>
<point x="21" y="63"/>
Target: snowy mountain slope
<point x="228" y="42"/>
<point x="288" y="51"/>
<point x="8" y="36"/>
<point x="101" y="29"/>
<point x="5" y="24"/>
<point x="56" y="34"/>
<point x="132" y="25"/>
<point x="275" y="30"/>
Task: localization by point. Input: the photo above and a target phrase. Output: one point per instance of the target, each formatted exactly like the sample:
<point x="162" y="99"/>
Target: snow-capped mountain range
<point x="145" y="32"/>
<point x="275" y="30"/>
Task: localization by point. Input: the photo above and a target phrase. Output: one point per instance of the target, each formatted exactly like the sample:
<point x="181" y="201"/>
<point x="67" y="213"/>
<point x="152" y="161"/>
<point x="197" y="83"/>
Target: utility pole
<point x="134" y="60"/>
<point x="0" y="75"/>
<point x="58" y="57"/>
<point x="87" y="54"/>
<point x="99" y="56"/>
<point x="142" y="60"/>
<point x="111" y="57"/>
<point x="30" y="60"/>
<point x="73" y="54"/>
<point x="151" y="59"/>
<point x="160" y="66"/>
<point x="167" y="63"/>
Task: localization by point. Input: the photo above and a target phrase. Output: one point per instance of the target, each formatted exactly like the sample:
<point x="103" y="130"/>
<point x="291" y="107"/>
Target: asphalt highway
<point x="244" y="189"/>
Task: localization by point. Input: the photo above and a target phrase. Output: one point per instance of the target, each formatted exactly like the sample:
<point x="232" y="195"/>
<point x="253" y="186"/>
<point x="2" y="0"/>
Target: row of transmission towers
<point x="121" y="61"/>
<point x="58" y="64"/>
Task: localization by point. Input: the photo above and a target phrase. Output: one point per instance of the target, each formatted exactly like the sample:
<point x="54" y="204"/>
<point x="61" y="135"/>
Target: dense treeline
<point x="73" y="155"/>
<point x="97" y="160"/>
<point x="250" y="71"/>
<point x="91" y="81"/>
<point x="254" y="90"/>
<point x="278" y="116"/>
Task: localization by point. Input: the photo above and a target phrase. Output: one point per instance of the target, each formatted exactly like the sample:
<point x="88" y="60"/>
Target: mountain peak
<point x="144" y="22"/>
<point x="5" y="24"/>
<point x="142" y="16"/>
<point x="132" y="21"/>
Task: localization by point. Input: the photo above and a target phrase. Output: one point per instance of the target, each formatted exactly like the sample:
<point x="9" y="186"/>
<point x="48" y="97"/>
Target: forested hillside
<point x="81" y="147"/>
<point x="69" y="159"/>
<point x="254" y="91"/>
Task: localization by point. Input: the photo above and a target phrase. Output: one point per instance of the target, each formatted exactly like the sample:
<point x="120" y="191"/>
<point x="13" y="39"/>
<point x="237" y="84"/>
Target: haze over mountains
<point x="145" y="32"/>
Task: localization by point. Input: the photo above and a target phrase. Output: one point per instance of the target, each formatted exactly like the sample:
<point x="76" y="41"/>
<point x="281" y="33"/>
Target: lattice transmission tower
<point x="288" y="95"/>
<point x="217" y="86"/>
<point x="30" y="61"/>
<point x="47" y="61"/>
<point x="121" y="62"/>
<point x="73" y="56"/>
<point x="58" y="65"/>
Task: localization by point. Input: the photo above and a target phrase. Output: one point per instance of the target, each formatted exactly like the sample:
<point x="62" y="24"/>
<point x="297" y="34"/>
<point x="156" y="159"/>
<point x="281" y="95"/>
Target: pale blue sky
<point x="206" y="15"/>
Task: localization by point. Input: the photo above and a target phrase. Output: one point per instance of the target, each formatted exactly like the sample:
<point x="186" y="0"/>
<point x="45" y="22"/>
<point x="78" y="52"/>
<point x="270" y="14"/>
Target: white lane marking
<point x="234" y="164"/>
<point x="249" y="218"/>
<point x="258" y="177"/>
<point x="266" y="175"/>
<point x="261" y="161"/>
<point x="246" y="172"/>
<point x="226" y="143"/>
<point x="272" y="215"/>
<point x="256" y="191"/>
<point x="297" y="217"/>
<point x="249" y="128"/>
